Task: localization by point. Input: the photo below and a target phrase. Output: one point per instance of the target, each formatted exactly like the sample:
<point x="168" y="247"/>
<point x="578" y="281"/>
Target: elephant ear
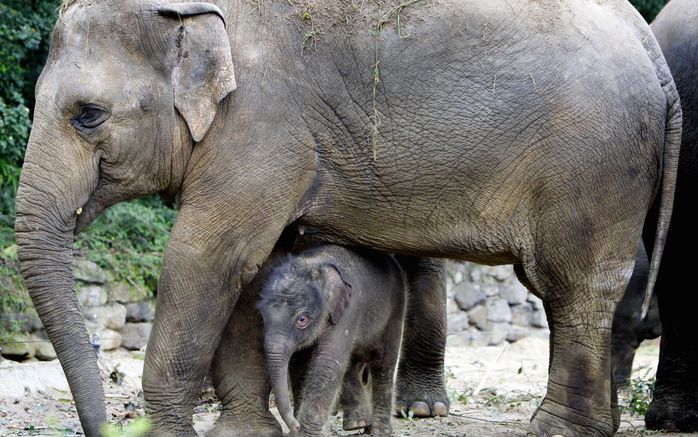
<point x="202" y="74"/>
<point x="339" y="293"/>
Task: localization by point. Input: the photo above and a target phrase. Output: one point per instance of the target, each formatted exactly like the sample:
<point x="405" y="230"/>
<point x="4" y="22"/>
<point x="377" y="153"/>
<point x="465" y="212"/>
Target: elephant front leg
<point x="196" y="295"/>
<point x="192" y="311"/>
<point x="322" y="384"/>
<point x="240" y="375"/>
<point x="421" y="387"/>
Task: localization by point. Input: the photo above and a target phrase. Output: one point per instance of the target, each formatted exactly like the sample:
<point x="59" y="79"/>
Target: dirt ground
<point x="493" y="390"/>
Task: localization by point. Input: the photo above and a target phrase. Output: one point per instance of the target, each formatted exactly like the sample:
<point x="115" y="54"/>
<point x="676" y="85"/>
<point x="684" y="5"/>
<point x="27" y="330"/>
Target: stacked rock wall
<point x="488" y="305"/>
<point x="120" y="314"/>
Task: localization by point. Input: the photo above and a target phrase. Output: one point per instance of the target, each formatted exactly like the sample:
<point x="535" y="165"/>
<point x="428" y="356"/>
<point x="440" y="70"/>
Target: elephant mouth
<point x="87" y="214"/>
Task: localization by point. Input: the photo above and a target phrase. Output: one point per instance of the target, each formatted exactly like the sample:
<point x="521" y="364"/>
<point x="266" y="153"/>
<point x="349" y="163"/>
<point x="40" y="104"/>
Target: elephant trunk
<point x="277" y="363"/>
<point x="46" y="214"/>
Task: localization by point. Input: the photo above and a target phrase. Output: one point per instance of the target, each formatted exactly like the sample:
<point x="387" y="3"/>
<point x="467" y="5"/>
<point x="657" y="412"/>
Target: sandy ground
<point x="494" y="391"/>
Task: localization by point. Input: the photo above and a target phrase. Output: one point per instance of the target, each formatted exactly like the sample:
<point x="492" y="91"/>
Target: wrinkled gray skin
<point x="629" y="328"/>
<point x="341" y="303"/>
<point x="501" y="132"/>
<point x="674" y="404"/>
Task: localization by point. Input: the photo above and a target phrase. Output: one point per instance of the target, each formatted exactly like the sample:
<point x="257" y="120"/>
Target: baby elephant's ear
<point x="202" y="74"/>
<point x="340" y="296"/>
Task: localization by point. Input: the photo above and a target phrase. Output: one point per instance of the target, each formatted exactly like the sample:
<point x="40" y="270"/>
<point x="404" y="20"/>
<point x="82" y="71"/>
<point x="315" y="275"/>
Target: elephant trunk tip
<point x="293" y="426"/>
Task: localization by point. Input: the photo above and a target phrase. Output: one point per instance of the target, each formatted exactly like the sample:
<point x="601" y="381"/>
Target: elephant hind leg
<point x="355" y="398"/>
<point x="580" y="285"/>
<point x="579" y="399"/>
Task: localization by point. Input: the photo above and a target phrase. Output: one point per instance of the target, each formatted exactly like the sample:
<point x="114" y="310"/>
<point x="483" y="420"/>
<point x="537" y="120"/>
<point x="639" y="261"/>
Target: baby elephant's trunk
<point x="278" y="372"/>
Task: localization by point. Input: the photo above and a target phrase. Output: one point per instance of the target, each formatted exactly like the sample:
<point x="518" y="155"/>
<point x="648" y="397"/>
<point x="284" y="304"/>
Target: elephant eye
<point x="89" y="117"/>
<point x="302" y="321"/>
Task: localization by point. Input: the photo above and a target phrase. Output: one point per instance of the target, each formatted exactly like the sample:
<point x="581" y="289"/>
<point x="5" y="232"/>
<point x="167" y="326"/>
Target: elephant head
<point x="128" y="88"/>
<point x="298" y="302"/>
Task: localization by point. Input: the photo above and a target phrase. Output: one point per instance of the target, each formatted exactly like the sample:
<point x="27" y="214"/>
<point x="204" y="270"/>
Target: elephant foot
<point x="421" y="401"/>
<point x="382" y="429"/>
<point x="246" y="426"/>
<point x="671" y="416"/>
<point x="553" y="419"/>
<point x="356" y="419"/>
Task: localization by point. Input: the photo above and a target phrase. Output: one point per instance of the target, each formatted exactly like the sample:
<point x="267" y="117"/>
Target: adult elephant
<point x="675" y="401"/>
<point x="502" y="132"/>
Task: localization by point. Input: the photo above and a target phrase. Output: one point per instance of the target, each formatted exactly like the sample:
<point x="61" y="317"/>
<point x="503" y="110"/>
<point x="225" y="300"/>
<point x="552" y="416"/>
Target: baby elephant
<point x="334" y="305"/>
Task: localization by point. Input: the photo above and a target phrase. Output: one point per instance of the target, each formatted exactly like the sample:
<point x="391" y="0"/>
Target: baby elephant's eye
<point x="302" y="321"/>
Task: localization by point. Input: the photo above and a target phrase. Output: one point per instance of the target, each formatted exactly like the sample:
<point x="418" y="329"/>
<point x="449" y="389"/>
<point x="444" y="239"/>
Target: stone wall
<point x="488" y="305"/>
<point x="119" y="313"/>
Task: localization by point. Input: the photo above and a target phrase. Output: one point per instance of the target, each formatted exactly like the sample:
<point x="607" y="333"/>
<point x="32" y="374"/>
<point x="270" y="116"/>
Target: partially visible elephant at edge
<point x="674" y="405"/>
<point x="499" y="131"/>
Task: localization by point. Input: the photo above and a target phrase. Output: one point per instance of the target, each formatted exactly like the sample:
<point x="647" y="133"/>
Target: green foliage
<point x="25" y="28"/>
<point x="13" y="297"/>
<point x="128" y="240"/>
<point x="636" y="397"/>
<point x="649" y="8"/>
<point x="138" y="428"/>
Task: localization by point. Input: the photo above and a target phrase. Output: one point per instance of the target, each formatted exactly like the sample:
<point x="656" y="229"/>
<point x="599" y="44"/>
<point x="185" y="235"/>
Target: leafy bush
<point x="128" y="240"/>
<point x="25" y="28"/>
<point x="636" y="397"/>
<point x="13" y="297"/>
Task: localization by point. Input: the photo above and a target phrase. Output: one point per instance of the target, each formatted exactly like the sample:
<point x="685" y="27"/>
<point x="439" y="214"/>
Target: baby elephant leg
<point x="355" y="398"/>
<point x="382" y="371"/>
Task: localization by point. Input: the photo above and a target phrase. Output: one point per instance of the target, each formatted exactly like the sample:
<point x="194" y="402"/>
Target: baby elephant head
<point x="299" y="301"/>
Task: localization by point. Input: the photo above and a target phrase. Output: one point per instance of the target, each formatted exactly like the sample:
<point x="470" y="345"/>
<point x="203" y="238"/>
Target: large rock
<point x="89" y="272"/>
<point x="521" y="314"/>
<point x="109" y="340"/>
<point x="498" y="333"/>
<point x="501" y="273"/>
<point x="478" y="317"/>
<point x="516" y="333"/>
<point x="538" y="319"/>
<point x="468" y="295"/>
<point x="124" y="293"/>
<point x="111" y="316"/>
<point x="19" y="347"/>
<point x="44" y="348"/>
<point x="91" y="295"/>
<point x="457" y="322"/>
<point x="515" y="294"/>
<point x="17" y="379"/>
<point x="135" y="335"/>
<point x="140" y="312"/>
<point x="490" y="289"/>
<point x="535" y="301"/>
<point x="498" y="311"/>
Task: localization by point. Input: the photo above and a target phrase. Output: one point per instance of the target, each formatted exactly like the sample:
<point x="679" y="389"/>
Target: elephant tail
<point x="669" y="169"/>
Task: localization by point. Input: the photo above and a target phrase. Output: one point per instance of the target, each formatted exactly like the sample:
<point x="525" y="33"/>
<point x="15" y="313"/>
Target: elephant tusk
<point x="78" y="211"/>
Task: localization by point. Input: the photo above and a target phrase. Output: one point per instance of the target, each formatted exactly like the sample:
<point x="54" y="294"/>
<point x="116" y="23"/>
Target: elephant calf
<point x="338" y="306"/>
